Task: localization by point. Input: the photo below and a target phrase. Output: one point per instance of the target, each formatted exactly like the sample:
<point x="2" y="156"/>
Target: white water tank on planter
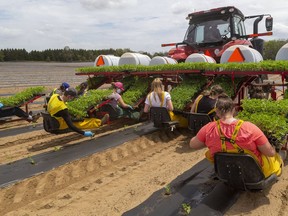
<point x="240" y="53"/>
<point x="282" y="53"/>
<point x="134" y="59"/>
<point x="106" y="60"/>
<point x="161" y="60"/>
<point x="197" y="57"/>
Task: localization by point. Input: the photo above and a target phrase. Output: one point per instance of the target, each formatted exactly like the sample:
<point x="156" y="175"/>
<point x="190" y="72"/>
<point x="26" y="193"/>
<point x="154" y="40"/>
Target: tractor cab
<point x="211" y="32"/>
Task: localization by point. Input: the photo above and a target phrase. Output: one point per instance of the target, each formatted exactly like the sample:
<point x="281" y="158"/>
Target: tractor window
<point x="239" y="26"/>
<point x="207" y="31"/>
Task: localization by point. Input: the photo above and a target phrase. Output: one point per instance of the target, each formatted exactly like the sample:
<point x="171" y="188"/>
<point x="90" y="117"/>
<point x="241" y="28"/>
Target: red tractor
<point x="211" y="32"/>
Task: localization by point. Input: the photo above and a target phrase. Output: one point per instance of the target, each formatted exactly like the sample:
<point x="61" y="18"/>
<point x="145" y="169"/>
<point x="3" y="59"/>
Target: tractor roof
<point x="216" y="11"/>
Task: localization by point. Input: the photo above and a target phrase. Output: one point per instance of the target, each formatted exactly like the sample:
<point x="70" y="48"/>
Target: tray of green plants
<point x="267" y="65"/>
<point x="21" y="97"/>
<point x="137" y="90"/>
<point x="78" y="107"/>
<point x="185" y="91"/>
<point x="270" y="116"/>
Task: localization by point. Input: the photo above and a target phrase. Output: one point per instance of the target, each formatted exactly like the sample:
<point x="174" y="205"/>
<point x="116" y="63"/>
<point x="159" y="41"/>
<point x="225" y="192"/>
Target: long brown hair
<point x="156" y="87"/>
<point x="214" y="90"/>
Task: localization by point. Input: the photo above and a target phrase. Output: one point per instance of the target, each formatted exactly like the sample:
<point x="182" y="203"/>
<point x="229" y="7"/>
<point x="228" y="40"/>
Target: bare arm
<point x="146" y="108"/>
<point x="122" y="103"/>
<point x="195" y="143"/>
<point x="267" y="149"/>
<point x="170" y="105"/>
<point x="194" y="104"/>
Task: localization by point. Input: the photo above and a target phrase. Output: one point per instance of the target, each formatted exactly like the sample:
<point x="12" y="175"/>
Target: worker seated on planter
<point x="120" y="108"/>
<point x="159" y="98"/>
<point x="229" y="134"/>
<point x="205" y="102"/>
<point x="58" y="109"/>
<point x="16" y="111"/>
<point x="61" y="89"/>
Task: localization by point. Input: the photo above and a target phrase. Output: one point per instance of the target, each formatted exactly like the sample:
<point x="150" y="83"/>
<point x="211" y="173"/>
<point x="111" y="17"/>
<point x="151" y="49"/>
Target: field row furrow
<point x="50" y="182"/>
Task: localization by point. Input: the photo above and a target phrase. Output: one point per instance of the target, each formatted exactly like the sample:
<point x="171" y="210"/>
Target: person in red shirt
<point x="247" y="136"/>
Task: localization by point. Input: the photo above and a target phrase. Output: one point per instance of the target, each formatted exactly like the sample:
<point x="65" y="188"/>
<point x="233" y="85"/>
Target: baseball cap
<point x="119" y="85"/>
<point x="65" y="85"/>
<point x="71" y="91"/>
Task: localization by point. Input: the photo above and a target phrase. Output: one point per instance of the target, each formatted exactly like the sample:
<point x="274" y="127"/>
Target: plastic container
<point x="134" y="59"/>
<point x="161" y="60"/>
<point x="197" y="57"/>
<point x="106" y="60"/>
<point x="240" y="53"/>
<point x="282" y="53"/>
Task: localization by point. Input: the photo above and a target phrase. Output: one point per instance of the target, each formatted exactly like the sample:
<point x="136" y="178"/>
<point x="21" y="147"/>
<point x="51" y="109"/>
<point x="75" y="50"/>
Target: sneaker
<point x="36" y="117"/>
<point x="105" y="119"/>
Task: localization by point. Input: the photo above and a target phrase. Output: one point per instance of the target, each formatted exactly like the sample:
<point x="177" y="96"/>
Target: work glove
<point x="1" y="105"/>
<point x="88" y="134"/>
<point x="130" y="107"/>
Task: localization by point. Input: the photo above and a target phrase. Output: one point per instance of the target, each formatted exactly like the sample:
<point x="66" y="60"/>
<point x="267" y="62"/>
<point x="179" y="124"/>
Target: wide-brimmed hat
<point x="119" y="85"/>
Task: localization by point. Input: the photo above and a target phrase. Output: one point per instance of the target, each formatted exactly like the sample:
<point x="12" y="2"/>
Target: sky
<point x="140" y="25"/>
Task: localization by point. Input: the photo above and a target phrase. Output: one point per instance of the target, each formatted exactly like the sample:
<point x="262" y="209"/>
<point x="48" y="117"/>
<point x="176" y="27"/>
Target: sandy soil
<point x="113" y="181"/>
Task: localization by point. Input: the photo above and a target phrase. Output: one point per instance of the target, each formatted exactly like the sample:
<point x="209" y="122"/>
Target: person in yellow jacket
<point x="58" y="109"/>
<point x="229" y="134"/>
<point x="159" y="98"/>
<point x="61" y="89"/>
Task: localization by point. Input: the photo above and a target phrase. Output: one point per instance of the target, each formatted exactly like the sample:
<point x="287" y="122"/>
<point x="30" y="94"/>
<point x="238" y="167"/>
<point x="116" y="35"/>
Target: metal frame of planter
<point x="175" y="75"/>
<point x="25" y="104"/>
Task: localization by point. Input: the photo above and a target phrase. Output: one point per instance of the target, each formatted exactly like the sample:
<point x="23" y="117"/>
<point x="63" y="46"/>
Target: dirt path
<point x="113" y="181"/>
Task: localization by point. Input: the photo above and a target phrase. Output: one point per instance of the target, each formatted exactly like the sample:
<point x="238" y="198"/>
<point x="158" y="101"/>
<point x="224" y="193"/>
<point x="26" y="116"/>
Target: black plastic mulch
<point x="20" y="130"/>
<point x="21" y="169"/>
<point x="197" y="188"/>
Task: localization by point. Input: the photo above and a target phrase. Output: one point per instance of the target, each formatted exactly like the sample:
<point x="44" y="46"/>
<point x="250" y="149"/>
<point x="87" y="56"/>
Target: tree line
<point x="81" y="55"/>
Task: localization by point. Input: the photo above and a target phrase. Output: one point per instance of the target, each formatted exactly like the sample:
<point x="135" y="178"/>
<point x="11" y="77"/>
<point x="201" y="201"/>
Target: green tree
<point x="2" y="56"/>
<point x="272" y="47"/>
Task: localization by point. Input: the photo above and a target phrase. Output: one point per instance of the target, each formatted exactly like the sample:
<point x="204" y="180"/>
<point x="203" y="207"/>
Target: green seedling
<point x="57" y="148"/>
<point x="167" y="189"/>
<point x="186" y="208"/>
<point x="135" y="128"/>
<point x="32" y="161"/>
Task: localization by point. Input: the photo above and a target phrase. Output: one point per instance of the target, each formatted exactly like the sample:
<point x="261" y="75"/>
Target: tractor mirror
<point x="269" y="23"/>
